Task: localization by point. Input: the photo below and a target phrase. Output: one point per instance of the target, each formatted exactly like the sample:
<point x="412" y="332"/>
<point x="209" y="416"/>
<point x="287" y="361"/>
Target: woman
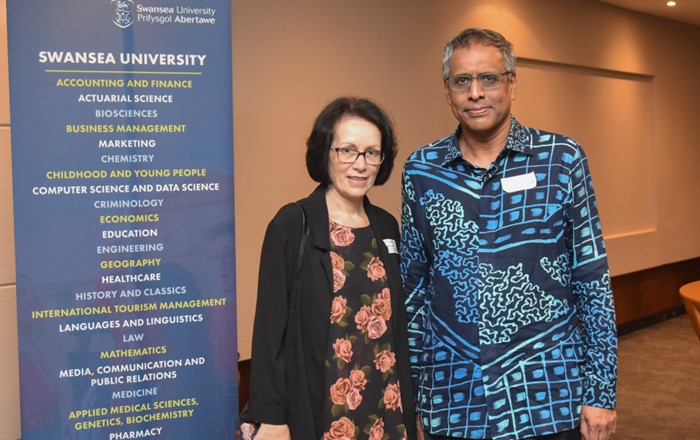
<point x="349" y="374"/>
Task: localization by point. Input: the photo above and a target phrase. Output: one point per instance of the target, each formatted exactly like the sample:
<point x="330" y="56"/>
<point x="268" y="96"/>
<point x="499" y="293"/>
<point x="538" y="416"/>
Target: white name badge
<point x="391" y="245"/>
<point x="519" y="183"/>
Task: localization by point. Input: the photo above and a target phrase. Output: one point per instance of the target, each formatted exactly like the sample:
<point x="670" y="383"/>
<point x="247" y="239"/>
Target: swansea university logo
<point x="123" y="12"/>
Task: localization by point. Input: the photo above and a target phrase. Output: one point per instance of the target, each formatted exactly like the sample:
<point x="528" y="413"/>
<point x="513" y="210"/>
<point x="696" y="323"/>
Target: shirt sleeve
<point x="592" y="290"/>
<point x="414" y="270"/>
<point x="268" y="402"/>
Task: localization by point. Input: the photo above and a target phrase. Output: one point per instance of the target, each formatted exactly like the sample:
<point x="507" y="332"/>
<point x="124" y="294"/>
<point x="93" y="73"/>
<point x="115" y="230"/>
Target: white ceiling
<point x="686" y="11"/>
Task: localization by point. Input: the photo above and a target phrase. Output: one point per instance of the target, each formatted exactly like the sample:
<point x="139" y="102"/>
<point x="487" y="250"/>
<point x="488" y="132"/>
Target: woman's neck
<point x="345" y="211"/>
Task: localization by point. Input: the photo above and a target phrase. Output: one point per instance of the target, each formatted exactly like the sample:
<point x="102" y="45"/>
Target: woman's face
<point x="352" y="181"/>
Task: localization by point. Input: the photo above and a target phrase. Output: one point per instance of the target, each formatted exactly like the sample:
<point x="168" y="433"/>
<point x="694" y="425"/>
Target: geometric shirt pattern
<point x="511" y="315"/>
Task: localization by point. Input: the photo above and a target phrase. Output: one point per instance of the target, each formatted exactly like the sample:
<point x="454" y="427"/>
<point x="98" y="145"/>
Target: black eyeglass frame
<point x="478" y="77"/>
<point x="358" y="154"/>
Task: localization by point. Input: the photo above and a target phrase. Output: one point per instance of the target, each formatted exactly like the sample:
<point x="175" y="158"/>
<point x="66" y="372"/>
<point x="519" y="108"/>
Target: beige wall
<point x="9" y="378"/>
<point x="621" y="83"/>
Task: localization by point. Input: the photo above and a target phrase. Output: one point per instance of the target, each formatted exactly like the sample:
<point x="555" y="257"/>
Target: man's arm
<point x="592" y="292"/>
<point x="414" y="270"/>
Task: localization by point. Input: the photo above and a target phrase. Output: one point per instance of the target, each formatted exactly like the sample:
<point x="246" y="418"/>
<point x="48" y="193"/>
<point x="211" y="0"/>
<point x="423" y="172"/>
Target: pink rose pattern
<point x="343" y="349"/>
<point x="392" y="396"/>
<point x="338" y="280"/>
<point x="342" y="429"/>
<point x="339" y="308"/>
<point x="384" y="360"/>
<point x="341" y="235"/>
<point x="337" y="261"/>
<point x="339" y="276"/>
<point x="364" y="399"/>
<point x="376" y="327"/>
<point x="340" y="390"/>
<point x="362" y="318"/>
<point x="347" y="392"/>
<point x="358" y="380"/>
<point x="382" y="304"/>
<point x="375" y="269"/>
<point x="376" y="432"/>
<point x="372" y="318"/>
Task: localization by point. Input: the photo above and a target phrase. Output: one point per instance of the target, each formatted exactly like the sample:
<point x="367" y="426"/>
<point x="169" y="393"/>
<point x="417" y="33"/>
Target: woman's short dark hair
<point x="318" y="145"/>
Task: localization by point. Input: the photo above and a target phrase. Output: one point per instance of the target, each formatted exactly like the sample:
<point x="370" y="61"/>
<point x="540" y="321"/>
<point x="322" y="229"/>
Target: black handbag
<point x="249" y="427"/>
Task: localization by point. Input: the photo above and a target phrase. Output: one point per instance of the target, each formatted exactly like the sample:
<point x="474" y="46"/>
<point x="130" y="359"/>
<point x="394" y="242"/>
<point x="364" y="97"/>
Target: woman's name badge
<point x="391" y="245"/>
<point x="519" y="183"/>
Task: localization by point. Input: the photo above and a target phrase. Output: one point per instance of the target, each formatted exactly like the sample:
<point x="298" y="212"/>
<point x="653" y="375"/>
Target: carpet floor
<point x="659" y="383"/>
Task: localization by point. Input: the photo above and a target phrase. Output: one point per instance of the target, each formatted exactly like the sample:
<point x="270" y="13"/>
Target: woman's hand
<point x="273" y="432"/>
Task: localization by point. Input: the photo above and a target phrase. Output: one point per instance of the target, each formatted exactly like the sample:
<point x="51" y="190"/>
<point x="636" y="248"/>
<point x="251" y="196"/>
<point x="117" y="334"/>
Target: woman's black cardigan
<point x="293" y="394"/>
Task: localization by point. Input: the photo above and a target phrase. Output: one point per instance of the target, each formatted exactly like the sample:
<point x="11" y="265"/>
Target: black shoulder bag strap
<point x="296" y="286"/>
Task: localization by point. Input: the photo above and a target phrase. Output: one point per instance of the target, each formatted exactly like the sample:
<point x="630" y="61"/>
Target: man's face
<point x="481" y="112"/>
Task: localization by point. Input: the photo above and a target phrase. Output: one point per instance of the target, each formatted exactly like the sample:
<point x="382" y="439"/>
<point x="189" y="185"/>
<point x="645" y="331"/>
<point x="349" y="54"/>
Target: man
<point x="511" y="318"/>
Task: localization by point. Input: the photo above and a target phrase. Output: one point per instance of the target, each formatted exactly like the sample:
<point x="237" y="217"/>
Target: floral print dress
<point x="363" y="399"/>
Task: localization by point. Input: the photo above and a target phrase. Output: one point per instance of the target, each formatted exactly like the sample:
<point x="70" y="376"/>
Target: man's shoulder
<point x="434" y="152"/>
<point x="539" y="138"/>
<point x="552" y="149"/>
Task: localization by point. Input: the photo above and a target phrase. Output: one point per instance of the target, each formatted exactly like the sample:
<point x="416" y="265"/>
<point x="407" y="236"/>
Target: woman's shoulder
<point x="308" y="206"/>
<point x="383" y="215"/>
<point x="387" y="222"/>
<point x="288" y="217"/>
<point x="290" y="210"/>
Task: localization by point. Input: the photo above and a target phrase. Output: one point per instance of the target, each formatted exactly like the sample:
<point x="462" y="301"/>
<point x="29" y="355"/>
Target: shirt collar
<point x="519" y="140"/>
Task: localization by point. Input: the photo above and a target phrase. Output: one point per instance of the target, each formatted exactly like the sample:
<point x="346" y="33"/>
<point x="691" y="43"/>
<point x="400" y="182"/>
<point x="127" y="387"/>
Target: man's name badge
<point x="519" y="183"/>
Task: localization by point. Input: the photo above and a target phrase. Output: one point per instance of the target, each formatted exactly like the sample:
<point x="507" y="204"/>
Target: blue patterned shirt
<point x="511" y="316"/>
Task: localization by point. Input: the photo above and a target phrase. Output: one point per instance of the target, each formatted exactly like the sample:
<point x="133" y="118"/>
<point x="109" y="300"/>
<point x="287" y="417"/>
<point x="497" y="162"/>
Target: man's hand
<point x="419" y="428"/>
<point x="597" y="423"/>
<point x="273" y="432"/>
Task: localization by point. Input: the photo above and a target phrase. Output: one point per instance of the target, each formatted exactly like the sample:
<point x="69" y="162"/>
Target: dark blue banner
<point x="122" y="151"/>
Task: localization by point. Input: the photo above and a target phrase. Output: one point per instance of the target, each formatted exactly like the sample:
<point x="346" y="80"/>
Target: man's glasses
<point x="488" y="80"/>
<point x="350" y="155"/>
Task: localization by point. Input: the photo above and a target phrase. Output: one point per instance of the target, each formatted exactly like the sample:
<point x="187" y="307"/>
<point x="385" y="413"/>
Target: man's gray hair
<point x="481" y="36"/>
